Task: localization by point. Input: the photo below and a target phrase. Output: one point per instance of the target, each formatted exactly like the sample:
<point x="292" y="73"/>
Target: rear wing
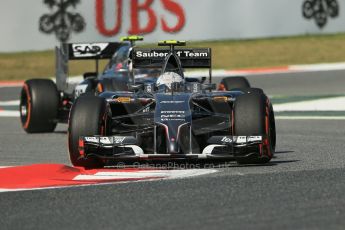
<point x="81" y="51"/>
<point x="155" y="58"/>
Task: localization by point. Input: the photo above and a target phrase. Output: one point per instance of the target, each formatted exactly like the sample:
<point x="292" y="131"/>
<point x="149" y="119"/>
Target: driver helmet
<point x="167" y="78"/>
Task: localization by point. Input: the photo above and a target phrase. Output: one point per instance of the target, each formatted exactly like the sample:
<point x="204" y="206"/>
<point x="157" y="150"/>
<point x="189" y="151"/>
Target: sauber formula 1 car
<point x="172" y="119"/>
<point x="44" y="103"/>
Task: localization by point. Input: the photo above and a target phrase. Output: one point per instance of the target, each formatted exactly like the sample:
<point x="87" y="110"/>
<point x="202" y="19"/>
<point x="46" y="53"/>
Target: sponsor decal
<point x="229" y="140"/>
<point x="320" y="10"/>
<point x="226" y="140"/>
<point x="61" y="21"/>
<point x="173" y="116"/>
<point x="108" y="140"/>
<point x="119" y="140"/>
<point x="241" y="139"/>
<point x="141" y="54"/>
<point x="138" y="9"/>
<point x="88" y="49"/>
<point x="254" y="138"/>
<point x="173" y="112"/>
<point x="161" y="54"/>
<point x="92" y="139"/>
<point x="171" y="102"/>
<point x="191" y="54"/>
<point x="105" y="140"/>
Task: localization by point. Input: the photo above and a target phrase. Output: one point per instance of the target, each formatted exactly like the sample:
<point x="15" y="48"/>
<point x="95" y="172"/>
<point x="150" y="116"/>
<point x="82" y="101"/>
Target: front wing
<point x="219" y="147"/>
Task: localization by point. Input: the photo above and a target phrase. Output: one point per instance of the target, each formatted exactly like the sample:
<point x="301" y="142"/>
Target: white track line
<point x="7" y="103"/>
<point x="326" y="104"/>
<point x="310" y="118"/>
<point x="168" y="174"/>
<point x="7" y="113"/>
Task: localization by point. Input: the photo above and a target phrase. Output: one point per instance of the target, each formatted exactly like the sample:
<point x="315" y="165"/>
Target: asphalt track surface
<point x="302" y="188"/>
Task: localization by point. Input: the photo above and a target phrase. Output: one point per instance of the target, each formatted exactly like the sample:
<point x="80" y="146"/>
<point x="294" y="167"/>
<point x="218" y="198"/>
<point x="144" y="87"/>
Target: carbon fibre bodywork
<point x="176" y="120"/>
<point x="179" y="125"/>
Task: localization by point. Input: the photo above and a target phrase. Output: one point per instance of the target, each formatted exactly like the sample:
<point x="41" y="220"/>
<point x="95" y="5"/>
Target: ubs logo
<point x="61" y="21"/>
<point x="320" y="10"/>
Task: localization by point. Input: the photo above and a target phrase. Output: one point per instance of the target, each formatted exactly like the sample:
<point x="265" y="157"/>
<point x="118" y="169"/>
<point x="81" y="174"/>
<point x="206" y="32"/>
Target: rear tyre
<point x="231" y="83"/>
<point x="39" y="103"/>
<point x="88" y="117"/>
<point x="251" y="118"/>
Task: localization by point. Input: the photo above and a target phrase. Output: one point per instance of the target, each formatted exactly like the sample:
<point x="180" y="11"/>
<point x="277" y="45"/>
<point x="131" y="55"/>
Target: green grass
<point x="38" y="64"/>
<point x="231" y="54"/>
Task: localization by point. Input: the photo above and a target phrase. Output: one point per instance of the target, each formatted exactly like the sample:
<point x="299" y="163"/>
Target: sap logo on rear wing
<point x="84" y="51"/>
<point x="88" y="49"/>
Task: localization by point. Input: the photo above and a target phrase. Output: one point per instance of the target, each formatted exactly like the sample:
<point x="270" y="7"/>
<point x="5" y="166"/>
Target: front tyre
<point x="252" y="118"/>
<point x="89" y="116"/>
<point x="39" y="102"/>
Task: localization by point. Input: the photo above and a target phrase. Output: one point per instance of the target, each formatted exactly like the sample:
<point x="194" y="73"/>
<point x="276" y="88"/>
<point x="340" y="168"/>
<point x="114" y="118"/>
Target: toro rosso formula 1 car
<point x="44" y="103"/>
<point x="172" y="119"/>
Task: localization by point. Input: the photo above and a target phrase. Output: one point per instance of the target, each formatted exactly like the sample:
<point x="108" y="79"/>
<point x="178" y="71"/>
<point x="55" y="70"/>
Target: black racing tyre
<point x="88" y="117"/>
<point x="231" y="83"/>
<point x="271" y="115"/>
<point x="39" y="104"/>
<point x="250" y="119"/>
<point x="111" y="85"/>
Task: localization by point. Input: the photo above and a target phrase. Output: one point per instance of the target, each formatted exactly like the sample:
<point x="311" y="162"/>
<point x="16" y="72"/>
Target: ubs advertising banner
<point x="42" y="24"/>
